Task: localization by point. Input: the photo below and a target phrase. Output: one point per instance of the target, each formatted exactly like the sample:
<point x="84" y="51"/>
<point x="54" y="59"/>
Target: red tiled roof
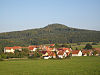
<point x="51" y="53"/>
<point x="75" y="51"/>
<point x="8" y="48"/>
<point x="64" y="49"/>
<point x="60" y="52"/>
<point x="48" y="49"/>
<point x="85" y="51"/>
<point x="15" y="47"/>
<point x="52" y="44"/>
<point x="35" y="46"/>
<point x="32" y="47"/>
<point x="97" y="49"/>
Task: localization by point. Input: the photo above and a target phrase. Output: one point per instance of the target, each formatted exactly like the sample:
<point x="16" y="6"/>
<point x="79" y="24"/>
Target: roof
<point x="15" y="47"/>
<point x="35" y="46"/>
<point x="8" y="48"/>
<point x="60" y="52"/>
<point x="97" y="49"/>
<point x="85" y="51"/>
<point x="51" y="53"/>
<point x="48" y="48"/>
<point x="52" y="44"/>
<point x="65" y="49"/>
<point x="75" y="51"/>
<point x="32" y="47"/>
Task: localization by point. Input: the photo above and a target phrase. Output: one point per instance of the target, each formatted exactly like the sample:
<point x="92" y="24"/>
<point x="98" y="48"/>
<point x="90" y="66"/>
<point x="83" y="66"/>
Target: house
<point x="49" y="54"/>
<point x="33" y="48"/>
<point x="97" y="51"/>
<point x="76" y="53"/>
<point x="63" y="52"/>
<point x="86" y="52"/>
<point x="12" y="49"/>
<point x="60" y="54"/>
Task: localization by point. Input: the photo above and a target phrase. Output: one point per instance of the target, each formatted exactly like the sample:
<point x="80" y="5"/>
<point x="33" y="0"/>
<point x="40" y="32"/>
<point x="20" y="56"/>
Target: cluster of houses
<point x="51" y="52"/>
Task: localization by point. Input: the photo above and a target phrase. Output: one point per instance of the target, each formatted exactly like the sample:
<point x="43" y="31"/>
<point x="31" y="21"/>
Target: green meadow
<point x="72" y="66"/>
<point x="83" y="46"/>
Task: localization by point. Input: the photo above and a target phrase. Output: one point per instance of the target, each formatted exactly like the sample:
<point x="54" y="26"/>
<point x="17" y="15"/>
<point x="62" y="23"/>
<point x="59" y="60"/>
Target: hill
<point x="53" y="33"/>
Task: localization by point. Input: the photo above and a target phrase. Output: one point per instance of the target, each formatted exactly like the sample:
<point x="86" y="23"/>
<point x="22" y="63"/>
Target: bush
<point x="94" y="43"/>
<point x="3" y="56"/>
<point x="88" y="46"/>
<point x="1" y="59"/>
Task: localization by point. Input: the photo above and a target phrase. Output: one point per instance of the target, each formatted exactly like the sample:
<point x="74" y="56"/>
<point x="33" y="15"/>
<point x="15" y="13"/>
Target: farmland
<point x="73" y="66"/>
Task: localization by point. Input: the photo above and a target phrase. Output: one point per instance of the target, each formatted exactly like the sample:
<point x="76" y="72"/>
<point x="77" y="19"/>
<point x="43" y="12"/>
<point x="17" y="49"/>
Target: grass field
<point x="83" y="46"/>
<point x="73" y="66"/>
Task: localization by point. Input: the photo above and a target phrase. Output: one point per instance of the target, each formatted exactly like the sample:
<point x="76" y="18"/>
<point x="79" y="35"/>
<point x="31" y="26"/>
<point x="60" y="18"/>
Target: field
<point x="83" y="46"/>
<point x="73" y="66"/>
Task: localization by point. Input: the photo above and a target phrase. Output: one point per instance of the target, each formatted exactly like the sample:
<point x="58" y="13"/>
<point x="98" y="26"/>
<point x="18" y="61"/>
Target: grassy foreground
<point x="73" y="66"/>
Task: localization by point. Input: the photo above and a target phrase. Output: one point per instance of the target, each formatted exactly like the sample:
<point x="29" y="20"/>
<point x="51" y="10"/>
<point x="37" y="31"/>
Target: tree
<point x="88" y="46"/>
<point x="64" y="45"/>
<point x="57" y="45"/>
<point x="36" y="54"/>
<point x="25" y="51"/>
<point x="95" y="52"/>
<point x="94" y="43"/>
<point x="76" y="48"/>
<point x="1" y="59"/>
<point x="10" y="55"/>
<point x="78" y="43"/>
<point x="4" y="56"/>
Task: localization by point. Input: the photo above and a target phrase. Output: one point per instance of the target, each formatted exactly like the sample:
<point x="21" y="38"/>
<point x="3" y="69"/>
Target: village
<point x="48" y="52"/>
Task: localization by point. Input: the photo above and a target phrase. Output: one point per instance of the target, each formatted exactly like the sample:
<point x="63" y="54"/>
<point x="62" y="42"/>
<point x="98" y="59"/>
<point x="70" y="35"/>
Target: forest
<point x="52" y="33"/>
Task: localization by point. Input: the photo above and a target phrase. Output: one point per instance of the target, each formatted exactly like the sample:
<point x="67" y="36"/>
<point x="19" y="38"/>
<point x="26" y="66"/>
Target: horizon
<point x="18" y="15"/>
<point x="45" y="26"/>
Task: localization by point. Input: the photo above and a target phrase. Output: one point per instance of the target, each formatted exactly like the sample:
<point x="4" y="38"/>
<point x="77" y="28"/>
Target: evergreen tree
<point x="88" y="46"/>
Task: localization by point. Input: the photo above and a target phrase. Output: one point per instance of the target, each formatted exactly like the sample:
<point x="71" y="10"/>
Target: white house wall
<point x="80" y="53"/>
<point x="8" y="51"/>
<point x="74" y="54"/>
<point x="60" y="56"/>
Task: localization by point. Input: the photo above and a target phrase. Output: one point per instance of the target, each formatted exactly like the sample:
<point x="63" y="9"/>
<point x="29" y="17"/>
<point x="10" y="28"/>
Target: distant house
<point x="76" y="53"/>
<point x="49" y="54"/>
<point x="86" y="52"/>
<point x="32" y="48"/>
<point x="97" y="50"/>
<point x="63" y="52"/>
<point x="60" y="54"/>
<point x="12" y="49"/>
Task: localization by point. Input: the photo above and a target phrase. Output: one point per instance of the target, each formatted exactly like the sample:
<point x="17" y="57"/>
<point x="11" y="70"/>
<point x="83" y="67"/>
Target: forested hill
<point x="53" y="33"/>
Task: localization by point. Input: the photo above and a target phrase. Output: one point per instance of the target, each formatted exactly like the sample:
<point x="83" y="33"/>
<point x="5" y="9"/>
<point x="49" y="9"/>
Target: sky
<point x="18" y="15"/>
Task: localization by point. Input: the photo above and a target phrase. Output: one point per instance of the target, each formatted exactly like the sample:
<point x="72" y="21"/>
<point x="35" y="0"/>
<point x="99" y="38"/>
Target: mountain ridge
<point x="53" y="33"/>
<point x="51" y="25"/>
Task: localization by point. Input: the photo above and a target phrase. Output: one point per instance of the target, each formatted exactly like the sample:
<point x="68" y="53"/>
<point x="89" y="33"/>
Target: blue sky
<point x="18" y="15"/>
